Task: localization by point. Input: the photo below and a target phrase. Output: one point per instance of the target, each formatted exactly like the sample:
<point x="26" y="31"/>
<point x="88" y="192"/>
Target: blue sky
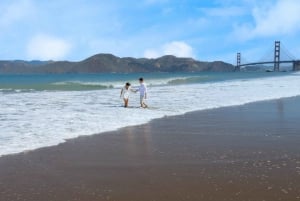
<point x="204" y="29"/>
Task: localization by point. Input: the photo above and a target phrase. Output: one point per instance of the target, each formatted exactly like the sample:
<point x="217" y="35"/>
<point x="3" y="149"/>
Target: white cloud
<point x="231" y="11"/>
<point x="282" y="18"/>
<point x="151" y="53"/>
<point x="279" y="18"/>
<point x="46" y="47"/>
<point x="176" y="48"/>
<point x="15" y="11"/>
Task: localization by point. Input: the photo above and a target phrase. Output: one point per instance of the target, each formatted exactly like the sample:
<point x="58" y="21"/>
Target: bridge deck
<point x="267" y="62"/>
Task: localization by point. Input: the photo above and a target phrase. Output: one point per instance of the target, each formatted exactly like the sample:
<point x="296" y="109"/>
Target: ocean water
<point x="44" y="110"/>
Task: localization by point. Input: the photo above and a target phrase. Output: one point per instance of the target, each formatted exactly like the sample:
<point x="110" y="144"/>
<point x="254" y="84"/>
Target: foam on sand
<point x="45" y="118"/>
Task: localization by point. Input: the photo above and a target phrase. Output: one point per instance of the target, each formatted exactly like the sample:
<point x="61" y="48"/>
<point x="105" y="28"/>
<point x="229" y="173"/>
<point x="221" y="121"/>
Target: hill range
<point x="108" y="63"/>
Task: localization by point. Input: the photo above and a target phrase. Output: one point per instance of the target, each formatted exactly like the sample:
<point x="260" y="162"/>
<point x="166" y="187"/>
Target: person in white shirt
<point x="125" y="92"/>
<point x="143" y="93"/>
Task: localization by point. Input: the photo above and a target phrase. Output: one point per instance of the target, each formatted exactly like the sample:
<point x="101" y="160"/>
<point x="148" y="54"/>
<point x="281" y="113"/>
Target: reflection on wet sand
<point x="140" y="144"/>
<point x="280" y="108"/>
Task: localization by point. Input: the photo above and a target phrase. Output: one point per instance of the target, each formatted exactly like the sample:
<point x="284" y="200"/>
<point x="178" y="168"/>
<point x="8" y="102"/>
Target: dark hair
<point x="128" y="84"/>
<point x="141" y="79"/>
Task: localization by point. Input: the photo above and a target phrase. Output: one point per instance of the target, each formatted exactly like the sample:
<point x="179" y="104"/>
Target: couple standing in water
<point x="125" y="92"/>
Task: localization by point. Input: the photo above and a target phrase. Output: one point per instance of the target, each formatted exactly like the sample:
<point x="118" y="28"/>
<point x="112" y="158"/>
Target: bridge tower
<point x="238" y="62"/>
<point x="277" y="56"/>
<point x="296" y="65"/>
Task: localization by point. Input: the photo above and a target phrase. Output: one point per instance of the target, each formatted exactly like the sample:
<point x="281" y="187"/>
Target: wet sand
<point x="243" y="153"/>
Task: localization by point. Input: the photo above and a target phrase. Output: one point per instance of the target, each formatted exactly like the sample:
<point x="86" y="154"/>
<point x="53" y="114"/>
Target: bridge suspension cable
<point x="243" y="59"/>
<point x="268" y="55"/>
<point x="286" y="54"/>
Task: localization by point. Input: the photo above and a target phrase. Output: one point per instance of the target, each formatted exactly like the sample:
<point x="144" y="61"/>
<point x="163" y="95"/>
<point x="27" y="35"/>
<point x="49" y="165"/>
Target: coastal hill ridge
<point x="108" y="63"/>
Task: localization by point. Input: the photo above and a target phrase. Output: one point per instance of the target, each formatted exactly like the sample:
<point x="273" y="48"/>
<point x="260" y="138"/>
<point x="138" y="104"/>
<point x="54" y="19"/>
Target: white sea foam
<point x="33" y="120"/>
<point x="120" y="84"/>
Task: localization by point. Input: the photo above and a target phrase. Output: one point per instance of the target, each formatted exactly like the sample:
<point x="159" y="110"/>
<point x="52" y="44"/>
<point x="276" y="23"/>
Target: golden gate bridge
<point x="279" y="56"/>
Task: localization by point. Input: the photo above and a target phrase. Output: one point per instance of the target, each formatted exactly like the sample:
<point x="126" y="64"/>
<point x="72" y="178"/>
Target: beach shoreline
<point x="42" y="117"/>
<point x="247" y="152"/>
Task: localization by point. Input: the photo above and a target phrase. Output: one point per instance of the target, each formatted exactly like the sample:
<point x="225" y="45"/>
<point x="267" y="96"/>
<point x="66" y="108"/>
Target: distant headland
<point x="108" y="63"/>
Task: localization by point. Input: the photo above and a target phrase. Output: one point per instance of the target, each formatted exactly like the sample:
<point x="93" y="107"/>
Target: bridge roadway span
<point x="268" y="62"/>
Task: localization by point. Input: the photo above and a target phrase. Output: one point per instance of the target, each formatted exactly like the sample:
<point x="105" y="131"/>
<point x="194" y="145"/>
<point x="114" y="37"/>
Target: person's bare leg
<point x="125" y="102"/>
<point x="143" y="104"/>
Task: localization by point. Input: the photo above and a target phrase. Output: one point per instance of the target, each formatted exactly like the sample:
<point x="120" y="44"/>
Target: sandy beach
<point x="248" y="152"/>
